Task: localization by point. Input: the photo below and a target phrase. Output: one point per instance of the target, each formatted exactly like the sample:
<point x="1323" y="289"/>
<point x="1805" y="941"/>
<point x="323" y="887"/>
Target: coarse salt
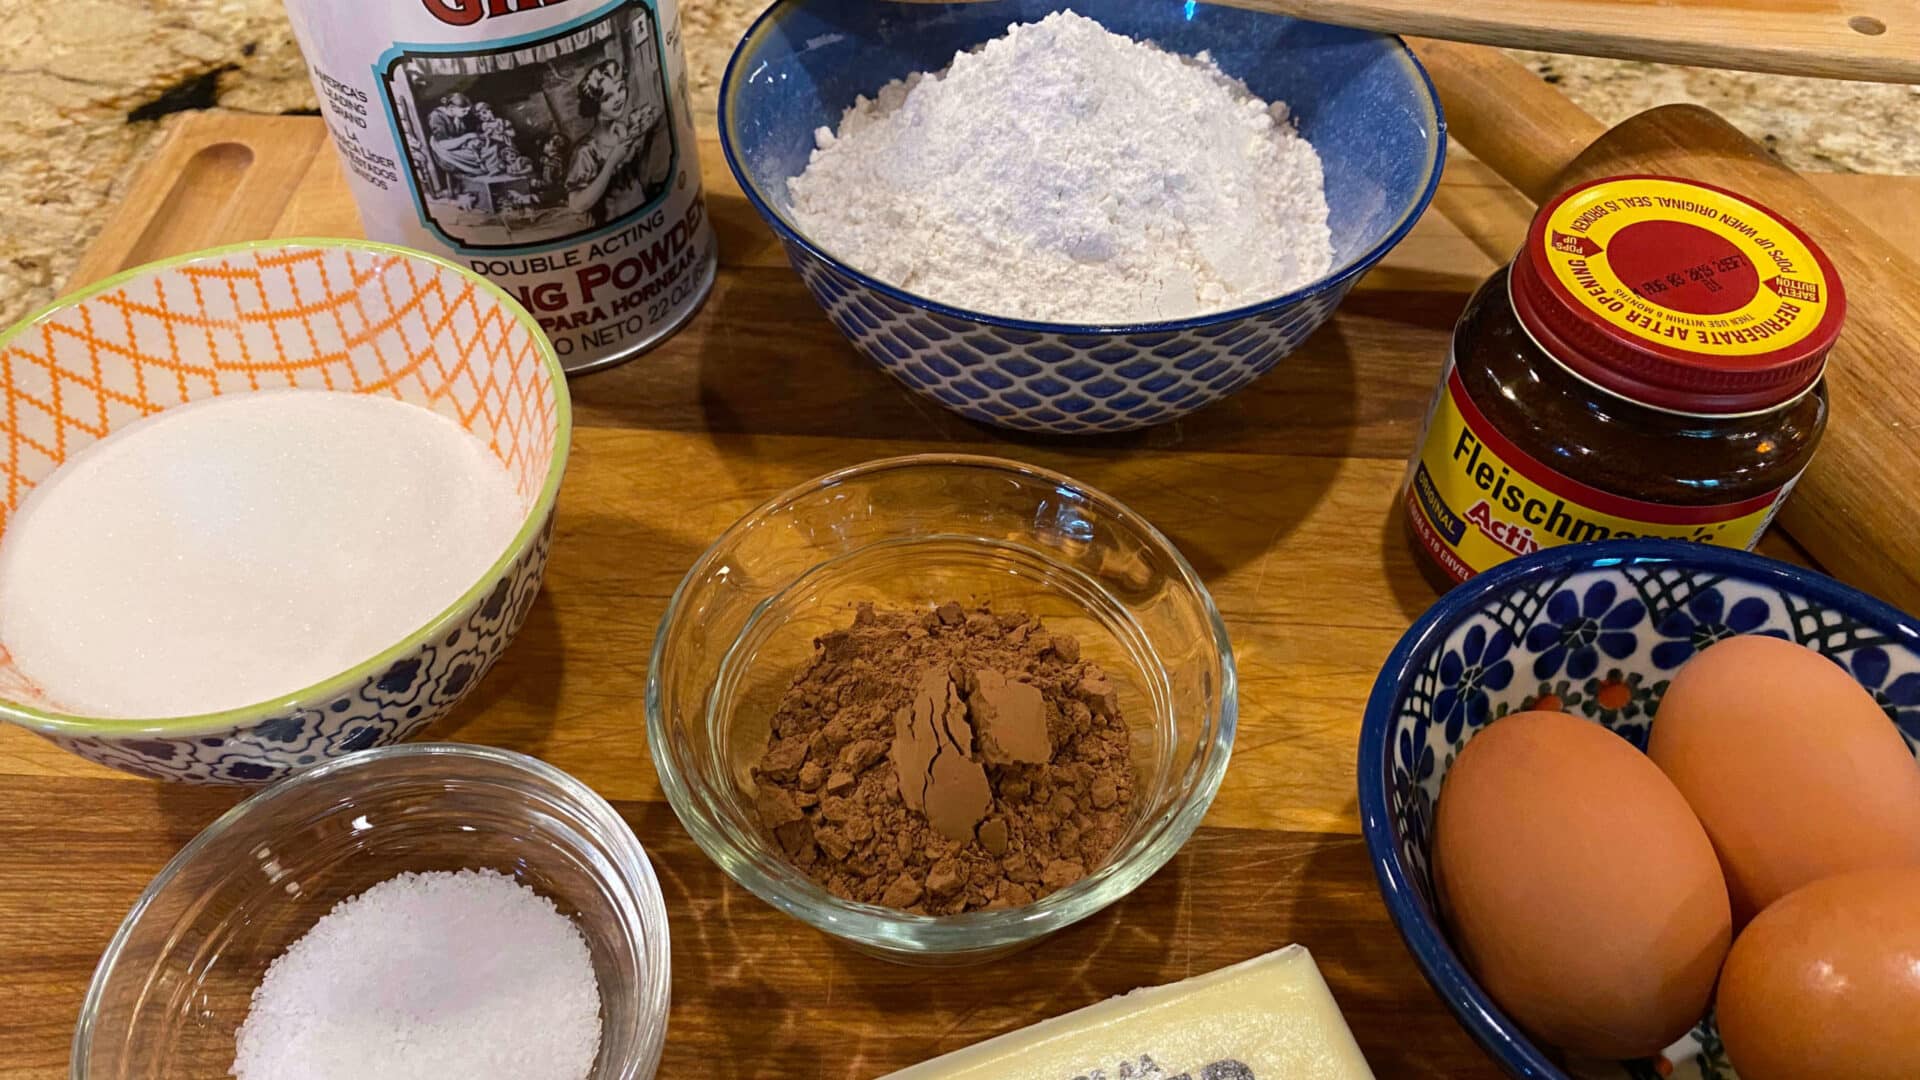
<point x="1069" y="174"/>
<point x="232" y="550"/>
<point x="463" y="975"/>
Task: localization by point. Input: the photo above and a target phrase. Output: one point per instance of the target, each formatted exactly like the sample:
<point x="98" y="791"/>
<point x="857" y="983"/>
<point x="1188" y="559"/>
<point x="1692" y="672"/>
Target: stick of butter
<point x="1270" y="1018"/>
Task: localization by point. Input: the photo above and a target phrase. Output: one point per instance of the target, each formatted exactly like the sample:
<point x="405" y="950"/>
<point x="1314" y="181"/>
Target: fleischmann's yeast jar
<point x="1649" y="365"/>
<point x="547" y="144"/>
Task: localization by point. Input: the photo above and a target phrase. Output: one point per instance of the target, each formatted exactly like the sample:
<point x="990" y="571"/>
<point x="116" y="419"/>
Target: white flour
<point x="229" y="551"/>
<point x="1064" y="173"/>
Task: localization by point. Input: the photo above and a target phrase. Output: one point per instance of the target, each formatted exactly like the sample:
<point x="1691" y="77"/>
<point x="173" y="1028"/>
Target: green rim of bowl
<point x="55" y="723"/>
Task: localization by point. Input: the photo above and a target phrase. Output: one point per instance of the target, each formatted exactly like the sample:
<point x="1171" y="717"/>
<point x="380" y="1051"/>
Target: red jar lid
<point x="1678" y="295"/>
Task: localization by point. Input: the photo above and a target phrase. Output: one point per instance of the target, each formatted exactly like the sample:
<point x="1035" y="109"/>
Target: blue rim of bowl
<point x="1483" y="1019"/>
<point x="70" y="725"/>
<point x="630" y="857"/>
<point x="868" y="924"/>
<point x="1339" y="278"/>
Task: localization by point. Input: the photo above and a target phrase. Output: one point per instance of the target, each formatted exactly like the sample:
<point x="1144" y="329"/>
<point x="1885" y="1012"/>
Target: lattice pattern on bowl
<point x="332" y="315"/>
<point x="1068" y="384"/>
<point x="364" y="320"/>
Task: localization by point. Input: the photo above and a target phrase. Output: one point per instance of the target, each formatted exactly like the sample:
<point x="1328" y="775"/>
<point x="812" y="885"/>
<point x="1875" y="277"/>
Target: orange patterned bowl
<point x="319" y="314"/>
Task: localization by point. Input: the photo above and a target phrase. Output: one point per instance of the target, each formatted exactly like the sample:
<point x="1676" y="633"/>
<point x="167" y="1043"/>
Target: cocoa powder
<point x="946" y="761"/>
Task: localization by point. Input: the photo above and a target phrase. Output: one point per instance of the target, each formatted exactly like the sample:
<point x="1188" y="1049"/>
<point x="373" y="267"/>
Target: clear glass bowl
<point x="175" y="983"/>
<point x="915" y="532"/>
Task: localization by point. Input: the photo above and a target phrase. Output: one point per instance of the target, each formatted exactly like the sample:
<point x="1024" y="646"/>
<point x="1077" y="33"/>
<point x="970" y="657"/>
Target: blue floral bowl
<point x="1360" y="98"/>
<point x="1596" y="630"/>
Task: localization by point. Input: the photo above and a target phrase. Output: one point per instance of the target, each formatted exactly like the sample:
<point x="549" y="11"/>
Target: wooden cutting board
<point x="1280" y="496"/>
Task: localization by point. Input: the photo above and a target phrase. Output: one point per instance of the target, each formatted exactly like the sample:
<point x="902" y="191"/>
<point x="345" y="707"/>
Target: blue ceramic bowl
<point x="1596" y="630"/>
<point x="1360" y="98"/>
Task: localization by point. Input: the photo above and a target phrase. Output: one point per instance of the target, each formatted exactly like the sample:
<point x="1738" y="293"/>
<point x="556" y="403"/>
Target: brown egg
<point x="1794" y="770"/>
<point x="1826" y="982"/>
<point x="1579" y="887"/>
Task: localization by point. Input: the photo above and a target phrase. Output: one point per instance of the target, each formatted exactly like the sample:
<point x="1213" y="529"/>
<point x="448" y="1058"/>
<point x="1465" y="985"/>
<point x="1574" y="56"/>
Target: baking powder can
<point x="546" y="144"/>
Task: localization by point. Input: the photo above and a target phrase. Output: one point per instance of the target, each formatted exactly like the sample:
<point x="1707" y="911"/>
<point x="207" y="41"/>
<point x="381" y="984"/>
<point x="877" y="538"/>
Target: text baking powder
<point x="547" y="144"/>
<point x="1068" y="174"/>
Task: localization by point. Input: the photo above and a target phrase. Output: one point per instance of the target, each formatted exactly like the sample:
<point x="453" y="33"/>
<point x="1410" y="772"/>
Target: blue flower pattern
<point x="1899" y="696"/>
<point x="1637" y="632"/>
<point x="1415" y="763"/>
<point x="1705" y="620"/>
<point x="1577" y="631"/>
<point x="1480" y="665"/>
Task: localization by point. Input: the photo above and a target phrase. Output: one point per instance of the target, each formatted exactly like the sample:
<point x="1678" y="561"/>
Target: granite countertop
<point x="90" y="83"/>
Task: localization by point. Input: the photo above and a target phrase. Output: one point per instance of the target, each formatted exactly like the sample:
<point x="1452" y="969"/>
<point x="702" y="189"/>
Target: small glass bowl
<point x="176" y="981"/>
<point x="913" y="532"/>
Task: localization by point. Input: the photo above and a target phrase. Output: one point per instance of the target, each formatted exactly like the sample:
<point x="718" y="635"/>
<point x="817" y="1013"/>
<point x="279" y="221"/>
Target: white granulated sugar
<point x="467" y="975"/>
<point x="1067" y="174"/>
<point x="247" y="546"/>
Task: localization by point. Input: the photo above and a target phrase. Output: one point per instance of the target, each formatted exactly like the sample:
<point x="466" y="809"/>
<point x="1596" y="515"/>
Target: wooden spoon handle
<point x="1875" y="40"/>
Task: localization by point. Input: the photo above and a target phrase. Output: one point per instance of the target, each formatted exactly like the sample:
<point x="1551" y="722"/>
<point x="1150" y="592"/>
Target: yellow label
<point x="1686" y="267"/>
<point x="1475" y="500"/>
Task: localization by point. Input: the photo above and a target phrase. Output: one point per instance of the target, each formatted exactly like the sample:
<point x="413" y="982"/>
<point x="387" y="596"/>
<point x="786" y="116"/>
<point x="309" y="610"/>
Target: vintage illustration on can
<point x="535" y="142"/>
<point x="547" y="144"/>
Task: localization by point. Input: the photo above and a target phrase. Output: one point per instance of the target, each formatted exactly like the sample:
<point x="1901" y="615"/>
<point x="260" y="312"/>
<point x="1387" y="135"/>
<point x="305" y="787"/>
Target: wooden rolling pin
<point x="1857" y="510"/>
<point x="1878" y="40"/>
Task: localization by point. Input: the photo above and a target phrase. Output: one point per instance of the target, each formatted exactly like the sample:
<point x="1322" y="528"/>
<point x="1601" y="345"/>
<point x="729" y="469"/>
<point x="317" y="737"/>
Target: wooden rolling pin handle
<point x="1520" y="127"/>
